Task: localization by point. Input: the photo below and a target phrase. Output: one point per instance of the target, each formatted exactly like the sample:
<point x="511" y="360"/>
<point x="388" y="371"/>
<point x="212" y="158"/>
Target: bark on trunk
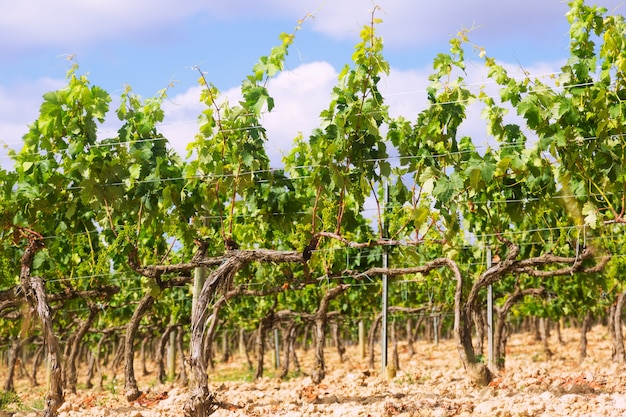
<point x="210" y="334"/>
<point x="225" y="347"/>
<point x="14" y="354"/>
<point x="264" y="325"/>
<point x="249" y="347"/>
<point x="75" y="348"/>
<point x="35" y="293"/>
<point x="501" y="332"/>
<point x="182" y="374"/>
<point x="91" y="366"/>
<point x="305" y="338"/>
<point x="545" y="335"/>
<point x="394" y="348"/>
<point x="583" y="335"/>
<point x="98" y="354"/>
<point x="144" y="354"/>
<point x="620" y="354"/>
<point x="160" y="359"/>
<point x="54" y="396"/>
<point x="536" y="326"/>
<point x="131" y="390"/>
<point x="500" y="337"/>
<point x="118" y="346"/>
<point x="341" y="350"/>
<point x="202" y="402"/>
<point x="36" y="362"/>
<point x="418" y="325"/>
<point x="559" y="336"/>
<point x="478" y="373"/>
<point x="479" y="324"/>
<point x="319" y="367"/>
<point x="611" y="330"/>
<point x="371" y="338"/>
<point x="409" y="337"/>
<point x="289" y="343"/>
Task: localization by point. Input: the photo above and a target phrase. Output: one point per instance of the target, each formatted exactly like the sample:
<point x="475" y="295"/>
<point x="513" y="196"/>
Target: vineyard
<point x="117" y="249"/>
<point x="428" y="382"/>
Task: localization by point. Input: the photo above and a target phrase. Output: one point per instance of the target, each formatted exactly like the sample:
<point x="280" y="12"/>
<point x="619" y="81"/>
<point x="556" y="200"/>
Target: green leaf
<point x="40" y="258"/>
<point x="591" y="214"/>
<point x="256" y="98"/>
<point x="448" y="187"/>
<point x="135" y="171"/>
<point x="420" y="215"/>
<point x="428" y="185"/>
<point x="27" y="165"/>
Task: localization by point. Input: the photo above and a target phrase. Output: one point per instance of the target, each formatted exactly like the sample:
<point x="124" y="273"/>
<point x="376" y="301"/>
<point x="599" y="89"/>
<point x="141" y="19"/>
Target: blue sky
<point x="149" y="43"/>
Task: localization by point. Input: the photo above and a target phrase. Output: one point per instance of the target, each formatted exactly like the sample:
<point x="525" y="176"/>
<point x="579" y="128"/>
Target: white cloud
<point x="419" y="23"/>
<point x="19" y="107"/>
<point x="405" y="91"/>
<point x="180" y="124"/>
<point x="34" y="23"/>
<point x="27" y="23"/>
<point x="475" y="126"/>
<point x="299" y="96"/>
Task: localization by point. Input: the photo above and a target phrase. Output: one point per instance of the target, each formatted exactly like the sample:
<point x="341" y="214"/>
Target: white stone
<point x="486" y="408"/>
<point x="546" y="396"/>
<point x="619" y="401"/>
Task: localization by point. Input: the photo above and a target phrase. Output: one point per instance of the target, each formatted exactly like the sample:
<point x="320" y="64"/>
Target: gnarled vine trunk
<point x="210" y="333"/>
<point x="544" y="329"/>
<point x="479" y="324"/>
<point x="338" y="340"/>
<point x="37" y="299"/>
<point x="36" y="361"/>
<point x="409" y="336"/>
<point x="160" y="359"/>
<point x="182" y="374"/>
<point x="290" y="349"/>
<point x="264" y="325"/>
<point x="370" y="338"/>
<point x="586" y="326"/>
<point x="70" y="367"/>
<point x="620" y="353"/>
<point x="501" y="334"/>
<point x="131" y="390"/>
<point x="202" y="401"/>
<point x="14" y="353"/>
<point x="54" y="397"/>
<point x="320" y="319"/>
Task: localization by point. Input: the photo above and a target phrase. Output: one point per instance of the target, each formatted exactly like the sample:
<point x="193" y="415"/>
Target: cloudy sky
<point x="148" y="44"/>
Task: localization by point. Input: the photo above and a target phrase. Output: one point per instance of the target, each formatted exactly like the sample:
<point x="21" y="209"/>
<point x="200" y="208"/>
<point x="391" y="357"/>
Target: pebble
<point x="546" y="396"/>
<point x="619" y="401"/>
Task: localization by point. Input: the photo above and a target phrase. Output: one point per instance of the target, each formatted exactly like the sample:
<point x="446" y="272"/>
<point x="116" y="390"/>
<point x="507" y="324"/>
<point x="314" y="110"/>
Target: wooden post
<point x="171" y="351"/>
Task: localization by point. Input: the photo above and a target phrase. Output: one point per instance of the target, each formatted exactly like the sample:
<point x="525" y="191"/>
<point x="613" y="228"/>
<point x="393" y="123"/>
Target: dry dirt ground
<point x="430" y="383"/>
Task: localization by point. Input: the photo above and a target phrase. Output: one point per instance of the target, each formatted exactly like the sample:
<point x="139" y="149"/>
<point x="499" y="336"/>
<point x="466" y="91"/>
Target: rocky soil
<point x="430" y="383"/>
